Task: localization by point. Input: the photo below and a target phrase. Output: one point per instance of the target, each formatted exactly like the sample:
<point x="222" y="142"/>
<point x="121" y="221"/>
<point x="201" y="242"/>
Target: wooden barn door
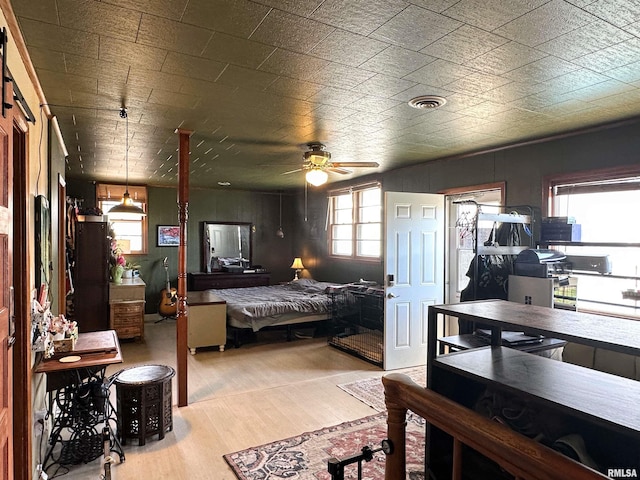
<point x="6" y="318"/>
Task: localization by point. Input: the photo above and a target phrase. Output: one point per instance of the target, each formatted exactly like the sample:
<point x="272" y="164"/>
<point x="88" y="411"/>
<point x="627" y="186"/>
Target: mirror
<point x="226" y="246"/>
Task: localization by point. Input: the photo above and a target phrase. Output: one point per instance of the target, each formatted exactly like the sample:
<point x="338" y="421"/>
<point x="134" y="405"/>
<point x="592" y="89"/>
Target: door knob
<point x="391" y="295"/>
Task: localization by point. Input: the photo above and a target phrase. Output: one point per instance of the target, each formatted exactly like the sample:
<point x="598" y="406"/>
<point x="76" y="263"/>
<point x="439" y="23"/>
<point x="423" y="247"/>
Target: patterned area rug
<point x="371" y="391"/>
<point x="305" y="456"/>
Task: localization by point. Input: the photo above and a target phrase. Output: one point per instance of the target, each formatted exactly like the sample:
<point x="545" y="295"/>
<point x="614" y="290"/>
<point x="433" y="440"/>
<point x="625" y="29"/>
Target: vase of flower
<point x="116" y="274"/>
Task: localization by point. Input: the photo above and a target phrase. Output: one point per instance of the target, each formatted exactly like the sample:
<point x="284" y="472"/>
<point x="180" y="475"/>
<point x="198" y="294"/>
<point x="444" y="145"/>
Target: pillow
<point x="309" y="285"/>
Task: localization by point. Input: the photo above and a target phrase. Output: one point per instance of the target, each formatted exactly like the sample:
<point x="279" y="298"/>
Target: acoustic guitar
<point x="168" y="297"/>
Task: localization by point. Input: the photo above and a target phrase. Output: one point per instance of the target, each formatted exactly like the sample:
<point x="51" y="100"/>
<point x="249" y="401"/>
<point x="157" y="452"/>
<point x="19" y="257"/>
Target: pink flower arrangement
<point x="60" y="325"/>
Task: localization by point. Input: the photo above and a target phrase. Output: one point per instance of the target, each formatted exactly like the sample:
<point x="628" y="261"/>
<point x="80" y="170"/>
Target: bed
<point x="256" y="308"/>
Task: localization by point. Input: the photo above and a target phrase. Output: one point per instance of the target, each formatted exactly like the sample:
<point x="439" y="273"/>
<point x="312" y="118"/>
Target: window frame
<point x="606" y="178"/>
<point x="110" y="191"/>
<point x="356" y="222"/>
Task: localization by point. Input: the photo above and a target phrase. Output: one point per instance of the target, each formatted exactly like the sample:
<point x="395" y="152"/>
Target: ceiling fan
<point x="317" y="162"/>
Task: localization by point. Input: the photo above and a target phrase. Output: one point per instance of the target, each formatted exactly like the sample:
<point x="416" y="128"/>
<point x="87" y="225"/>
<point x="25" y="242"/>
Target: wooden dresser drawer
<point x="128" y="308"/>
<point x="128" y="332"/>
<point x="127" y="319"/>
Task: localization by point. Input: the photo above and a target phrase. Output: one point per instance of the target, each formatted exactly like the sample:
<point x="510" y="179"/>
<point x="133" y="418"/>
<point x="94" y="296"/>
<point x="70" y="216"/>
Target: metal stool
<point x="144" y="402"/>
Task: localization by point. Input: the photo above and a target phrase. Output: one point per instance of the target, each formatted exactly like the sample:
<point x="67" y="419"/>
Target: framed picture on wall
<point x="168" y="235"/>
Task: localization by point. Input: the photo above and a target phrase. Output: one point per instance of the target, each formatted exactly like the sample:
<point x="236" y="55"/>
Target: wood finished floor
<point x="239" y="398"/>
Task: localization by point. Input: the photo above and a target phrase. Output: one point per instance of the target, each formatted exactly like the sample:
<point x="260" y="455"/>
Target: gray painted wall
<point x="260" y="209"/>
<point x="521" y="167"/>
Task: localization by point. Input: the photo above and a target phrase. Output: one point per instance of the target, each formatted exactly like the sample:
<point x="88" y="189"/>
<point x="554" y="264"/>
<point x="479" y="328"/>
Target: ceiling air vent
<point x="427" y="102"/>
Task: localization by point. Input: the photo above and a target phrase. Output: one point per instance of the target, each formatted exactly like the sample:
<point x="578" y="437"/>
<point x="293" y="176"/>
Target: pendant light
<point x="280" y="232"/>
<point x="126" y="206"/>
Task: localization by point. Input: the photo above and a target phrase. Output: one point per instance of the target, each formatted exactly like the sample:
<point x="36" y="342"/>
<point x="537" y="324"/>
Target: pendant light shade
<point x="127" y="206"/>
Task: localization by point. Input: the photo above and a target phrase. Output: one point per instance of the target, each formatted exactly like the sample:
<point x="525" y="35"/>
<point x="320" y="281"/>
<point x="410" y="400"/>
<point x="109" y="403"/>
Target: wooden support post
<point x="181" y="316"/>
<point x="396" y="462"/>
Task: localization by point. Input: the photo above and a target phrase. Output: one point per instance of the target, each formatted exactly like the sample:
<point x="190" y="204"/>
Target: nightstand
<point x="126" y="308"/>
<point x="207" y="315"/>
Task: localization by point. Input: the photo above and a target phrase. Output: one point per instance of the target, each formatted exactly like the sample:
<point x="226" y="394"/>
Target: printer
<point x="541" y="263"/>
<point x="546" y="263"/>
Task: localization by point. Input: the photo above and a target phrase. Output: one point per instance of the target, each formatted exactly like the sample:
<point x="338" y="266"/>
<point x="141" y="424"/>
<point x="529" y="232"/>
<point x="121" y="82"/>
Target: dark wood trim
<point x="18" y="40"/>
<point x="182" y="319"/>
<point x="548" y="181"/>
<point x="502" y="186"/>
<point x="22" y="282"/>
<point x="62" y="245"/>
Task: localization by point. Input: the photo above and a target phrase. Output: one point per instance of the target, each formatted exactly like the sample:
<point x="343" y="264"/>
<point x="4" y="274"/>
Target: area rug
<point x="371" y="392"/>
<point x="305" y="456"/>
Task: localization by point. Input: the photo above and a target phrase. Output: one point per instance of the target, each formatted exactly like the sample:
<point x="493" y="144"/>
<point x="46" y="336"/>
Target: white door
<point x="414" y="273"/>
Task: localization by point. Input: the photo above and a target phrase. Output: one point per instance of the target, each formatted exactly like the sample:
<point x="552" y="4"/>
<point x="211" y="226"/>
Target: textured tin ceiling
<point x="257" y="80"/>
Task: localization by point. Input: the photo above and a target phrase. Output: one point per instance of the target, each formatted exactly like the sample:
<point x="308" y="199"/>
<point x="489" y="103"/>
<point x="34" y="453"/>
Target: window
<point x="356" y="223"/>
<point x="130" y="231"/>
<point x="604" y="204"/>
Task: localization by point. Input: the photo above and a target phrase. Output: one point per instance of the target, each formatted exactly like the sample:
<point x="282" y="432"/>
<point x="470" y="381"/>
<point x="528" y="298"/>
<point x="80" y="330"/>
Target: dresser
<point x="126" y="308"/>
<point x="205" y="281"/>
<point x="207" y="321"/>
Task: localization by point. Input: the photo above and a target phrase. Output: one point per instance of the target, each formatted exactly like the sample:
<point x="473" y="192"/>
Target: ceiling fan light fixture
<point x="317" y="155"/>
<point x="316" y="177"/>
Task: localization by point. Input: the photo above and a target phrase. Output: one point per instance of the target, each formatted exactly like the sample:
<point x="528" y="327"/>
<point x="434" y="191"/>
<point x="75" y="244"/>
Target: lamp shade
<point x="297" y="263"/>
<point x="127" y="207"/>
<point x="317" y="177"/>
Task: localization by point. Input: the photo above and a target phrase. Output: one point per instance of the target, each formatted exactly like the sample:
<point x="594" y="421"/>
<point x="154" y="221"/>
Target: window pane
<point x="344" y="201"/>
<point x="342" y="232"/>
<point x="364" y="210"/>
<point x="369" y="231"/>
<point x="370" y="214"/>
<point x="369" y="244"/>
<point x="603" y="216"/>
<point x="368" y="249"/>
<point x="342" y="247"/>
<point x="370" y="197"/>
<point x="343" y="216"/>
<point x="124" y="226"/>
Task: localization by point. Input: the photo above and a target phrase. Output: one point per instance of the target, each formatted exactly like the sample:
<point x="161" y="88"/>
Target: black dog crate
<point x="358" y="321"/>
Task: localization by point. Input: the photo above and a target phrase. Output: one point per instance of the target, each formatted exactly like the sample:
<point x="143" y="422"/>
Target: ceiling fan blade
<point x="343" y="171"/>
<point x="355" y="164"/>
<point x="292" y="171"/>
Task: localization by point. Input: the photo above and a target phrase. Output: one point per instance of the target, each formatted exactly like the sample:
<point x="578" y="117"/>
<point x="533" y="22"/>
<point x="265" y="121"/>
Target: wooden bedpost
<point x="181" y="316"/>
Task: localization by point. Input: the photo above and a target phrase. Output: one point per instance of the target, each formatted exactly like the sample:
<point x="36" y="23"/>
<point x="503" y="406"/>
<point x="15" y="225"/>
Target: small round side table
<point x="144" y="402"/>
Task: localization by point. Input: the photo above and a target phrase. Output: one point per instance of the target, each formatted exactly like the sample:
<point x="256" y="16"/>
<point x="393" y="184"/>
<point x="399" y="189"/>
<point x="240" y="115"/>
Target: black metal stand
<point x="336" y="466"/>
<point x="83" y="418"/>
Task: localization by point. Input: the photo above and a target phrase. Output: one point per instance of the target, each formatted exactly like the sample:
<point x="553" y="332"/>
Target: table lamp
<point x="298" y="266"/>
